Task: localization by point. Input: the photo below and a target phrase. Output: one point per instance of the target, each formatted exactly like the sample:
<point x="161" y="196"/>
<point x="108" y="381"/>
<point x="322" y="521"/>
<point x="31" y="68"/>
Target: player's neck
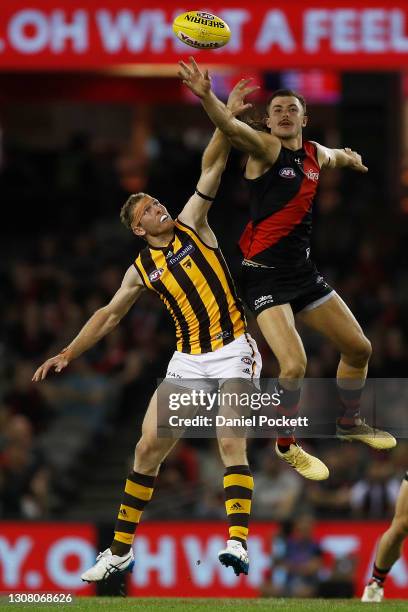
<point x="159" y="242"/>
<point x="292" y="143"/>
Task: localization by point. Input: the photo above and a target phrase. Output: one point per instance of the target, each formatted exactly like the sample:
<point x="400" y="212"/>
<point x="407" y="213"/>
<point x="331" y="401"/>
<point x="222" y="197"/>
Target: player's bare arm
<point x="213" y="164"/>
<point x="99" y="325"/>
<point x="340" y="158"/>
<point x="260" y="145"/>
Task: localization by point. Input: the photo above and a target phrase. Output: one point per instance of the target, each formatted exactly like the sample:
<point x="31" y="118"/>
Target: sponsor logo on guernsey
<point x="264" y="299"/>
<point x="287" y="173"/>
<point x="246" y="360"/>
<point x="181" y="254"/>
<point x="246" y="371"/>
<point x="155" y="275"/>
<point x="312" y="176"/>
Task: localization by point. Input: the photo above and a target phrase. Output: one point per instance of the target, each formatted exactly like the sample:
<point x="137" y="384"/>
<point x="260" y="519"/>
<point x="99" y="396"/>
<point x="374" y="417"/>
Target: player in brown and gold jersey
<point x="183" y="264"/>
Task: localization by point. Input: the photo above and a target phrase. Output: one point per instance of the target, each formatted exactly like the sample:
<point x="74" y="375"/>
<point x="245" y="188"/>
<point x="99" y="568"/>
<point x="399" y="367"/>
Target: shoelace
<point x="300" y="457"/>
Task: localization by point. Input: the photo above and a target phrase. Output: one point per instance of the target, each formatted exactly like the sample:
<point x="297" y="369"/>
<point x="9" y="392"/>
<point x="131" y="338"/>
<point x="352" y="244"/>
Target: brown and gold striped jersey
<point x="193" y="281"/>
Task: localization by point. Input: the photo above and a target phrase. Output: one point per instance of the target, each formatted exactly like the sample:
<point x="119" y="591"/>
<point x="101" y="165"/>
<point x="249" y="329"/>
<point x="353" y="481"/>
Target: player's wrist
<point x="66" y="353"/>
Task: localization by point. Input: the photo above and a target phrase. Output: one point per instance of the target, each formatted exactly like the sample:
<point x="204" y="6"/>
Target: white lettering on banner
<point x="18" y="36"/>
<point x="260" y="560"/>
<point x="373" y="31"/>
<point x="235" y="19"/>
<point x="340" y="545"/>
<point x="399" y="42"/>
<point x="55" y="562"/>
<point x="62" y="30"/>
<point x="162" y="30"/>
<point x="351" y="31"/>
<point x="163" y="561"/>
<point x="344" y="35"/>
<point x="207" y="553"/>
<point x="12" y="558"/>
<point x="275" y="31"/>
<point x="123" y="31"/>
<point x="315" y="27"/>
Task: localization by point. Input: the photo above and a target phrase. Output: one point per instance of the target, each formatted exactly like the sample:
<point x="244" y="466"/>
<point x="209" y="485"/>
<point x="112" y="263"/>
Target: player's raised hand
<point x="198" y="82"/>
<point x="57" y="363"/>
<point x="354" y="161"/>
<point x="236" y="100"/>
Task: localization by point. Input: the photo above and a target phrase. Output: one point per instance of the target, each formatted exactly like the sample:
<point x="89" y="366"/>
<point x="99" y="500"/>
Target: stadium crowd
<point x="65" y="254"/>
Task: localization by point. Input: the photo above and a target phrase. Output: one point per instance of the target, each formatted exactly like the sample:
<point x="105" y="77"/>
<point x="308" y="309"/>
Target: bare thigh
<point x="334" y="320"/>
<point x="277" y="325"/>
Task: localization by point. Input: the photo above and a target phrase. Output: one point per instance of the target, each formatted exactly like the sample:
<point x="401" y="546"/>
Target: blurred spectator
<point x="296" y="561"/>
<point x="24" y="477"/>
<point x="277" y="489"/>
<point x="374" y="496"/>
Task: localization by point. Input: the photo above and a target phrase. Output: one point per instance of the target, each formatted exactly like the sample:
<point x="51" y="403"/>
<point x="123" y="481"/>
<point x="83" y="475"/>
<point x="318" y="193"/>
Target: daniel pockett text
<point x="203" y="412"/>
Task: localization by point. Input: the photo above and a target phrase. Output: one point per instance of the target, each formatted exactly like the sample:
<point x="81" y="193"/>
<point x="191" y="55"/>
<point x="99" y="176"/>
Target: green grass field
<point x="187" y="605"/>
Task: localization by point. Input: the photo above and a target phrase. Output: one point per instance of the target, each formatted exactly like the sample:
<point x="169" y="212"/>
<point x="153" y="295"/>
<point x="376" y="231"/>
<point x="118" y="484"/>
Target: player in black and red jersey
<point x="280" y="279"/>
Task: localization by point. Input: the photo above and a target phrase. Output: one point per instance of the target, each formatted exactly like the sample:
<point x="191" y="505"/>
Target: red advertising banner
<point x="46" y="557"/>
<point x="79" y="35"/>
<point x="180" y="559"/>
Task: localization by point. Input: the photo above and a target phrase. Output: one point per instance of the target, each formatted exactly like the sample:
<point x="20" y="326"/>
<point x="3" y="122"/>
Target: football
<point x="201" y="30"/>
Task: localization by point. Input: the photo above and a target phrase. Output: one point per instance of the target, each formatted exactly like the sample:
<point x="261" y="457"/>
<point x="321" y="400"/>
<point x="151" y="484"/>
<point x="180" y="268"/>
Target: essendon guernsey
<point x="281" y="202"/>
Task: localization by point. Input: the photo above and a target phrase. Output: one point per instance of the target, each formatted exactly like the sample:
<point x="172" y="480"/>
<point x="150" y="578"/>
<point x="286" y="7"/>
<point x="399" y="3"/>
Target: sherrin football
<point x="201" y="30"/>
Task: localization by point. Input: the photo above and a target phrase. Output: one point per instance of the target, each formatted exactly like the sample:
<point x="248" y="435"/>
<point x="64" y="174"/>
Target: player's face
<point x="155" y="220"/>
<point x="286" y="117"/>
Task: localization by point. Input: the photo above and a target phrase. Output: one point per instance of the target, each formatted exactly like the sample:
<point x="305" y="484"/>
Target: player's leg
<point x="389" y="547"/>
<point x="334" y="320"/>
<point x="238" y="481"/>
<point x="149" y="453"/>
<point x="277" y="325"/>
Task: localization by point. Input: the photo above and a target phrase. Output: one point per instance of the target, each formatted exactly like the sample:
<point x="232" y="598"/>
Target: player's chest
<point x="177" y="268"/>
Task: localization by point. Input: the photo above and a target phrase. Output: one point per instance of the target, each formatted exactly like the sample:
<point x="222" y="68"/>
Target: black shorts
<point x="299" y="286"/>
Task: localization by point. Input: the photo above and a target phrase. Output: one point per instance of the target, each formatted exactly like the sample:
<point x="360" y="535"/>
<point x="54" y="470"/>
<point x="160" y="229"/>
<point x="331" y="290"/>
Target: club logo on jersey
<point x="287" y="173"/>
<point x="187" y="264"/>
<point x="246" y="360"/>
<point x="312" y="176"/>
<point x="181" y="254"/>
<point x="155" y="275"/>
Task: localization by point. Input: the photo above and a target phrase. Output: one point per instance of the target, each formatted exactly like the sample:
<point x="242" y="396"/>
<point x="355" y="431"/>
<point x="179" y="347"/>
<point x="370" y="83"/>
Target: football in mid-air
<point x="201" y="30"/>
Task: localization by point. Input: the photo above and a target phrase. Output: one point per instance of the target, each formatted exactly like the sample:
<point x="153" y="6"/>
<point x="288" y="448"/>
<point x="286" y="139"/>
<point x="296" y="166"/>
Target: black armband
<point x="205" y="197"/>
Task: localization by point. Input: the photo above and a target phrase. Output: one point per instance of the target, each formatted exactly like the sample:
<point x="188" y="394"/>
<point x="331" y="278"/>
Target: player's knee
<point x="147" y="451"/>
<point x="294" y="368"/>
<point x="360" y="352"/>
<point x="232" y="447"/>
<point x="400" y="526"/>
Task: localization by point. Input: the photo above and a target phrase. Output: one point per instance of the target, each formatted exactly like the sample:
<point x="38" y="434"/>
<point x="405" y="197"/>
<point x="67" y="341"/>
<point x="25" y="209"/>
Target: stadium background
<point x="90" y="111"/>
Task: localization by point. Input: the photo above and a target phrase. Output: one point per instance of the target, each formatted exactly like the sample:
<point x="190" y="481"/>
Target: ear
<point x="268" y="121"/>
<point x="305" y="120"/>
<point x="139" y="231"/>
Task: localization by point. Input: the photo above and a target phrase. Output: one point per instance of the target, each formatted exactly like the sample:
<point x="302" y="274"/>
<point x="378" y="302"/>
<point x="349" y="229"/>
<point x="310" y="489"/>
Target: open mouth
<point x="164" y="218"/>
<point x="285" y="124"/>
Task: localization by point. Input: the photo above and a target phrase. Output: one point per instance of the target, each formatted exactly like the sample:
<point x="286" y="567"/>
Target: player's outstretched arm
<point x="260" y="145"/>
<point x="340" y="158"/>
<point x="100" y="324"/>
<point x="213" y="162"/>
